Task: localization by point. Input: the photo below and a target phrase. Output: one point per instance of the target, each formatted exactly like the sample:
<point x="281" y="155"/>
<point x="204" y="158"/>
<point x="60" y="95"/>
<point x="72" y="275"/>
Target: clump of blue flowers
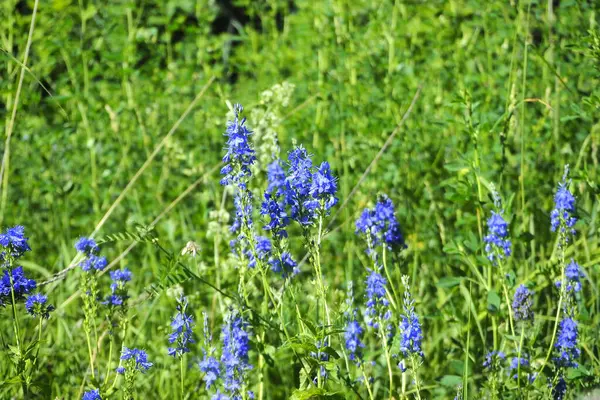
<point x="377" y="302"/>
<point x="493" y="360"/>
<point x="240" y="155"/>
<point x="411" y="334"/>
<point x="380" y="225"/>
<point x="15" y="283"/>
<point x="14" y="242"/>
<point x="93" y="394"/>
<point x="182" y="325"/>
<point x="498" y="246"/>
<point x="92" y="261"/>
<point x="133" y="361"/>
<point x="37" y="305"/>
<point x="566" y="344"/>
<point x="234" y="358"/>
<point x="209" y="364"/>
<point x="118" y="287"/>
<point x="522" y="304"/>
<point x="573" y="275"/>
<point x="561" y="217"/>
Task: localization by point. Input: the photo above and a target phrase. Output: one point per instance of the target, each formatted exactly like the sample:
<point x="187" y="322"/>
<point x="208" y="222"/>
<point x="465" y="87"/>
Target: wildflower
<point x="243" y="211"/>
<point x="497" y="246"/>
<point x="14" y="241"/>
<point x="521" y="364"/>
<point x="323" y="186"/>
<point x="278" y="218"/>
<point x="36" y="306"/>
<point x="93" y="394"/>
<point x="493" y="359"/>
<point x="352" y="336"/>
<point x="566" y="344"/>
<point x="192" y="248"/>
<point x="411" y="334"/>
<point x="120" y="370"/>
<point x="219" y="396"/>
<point x="286" y="265"/>
<point x="20" y="283"/>
<point x="236" y="345"/>
<point x="240" y="155"/>
<point x="136" y="360"/>
<point x="92" y="261"/>
<point x="573" y="275"/>
<point x="275" y="178"/>
<point x="564" y="205"/>
<point x="297" y="186"/>
<point x="521" y="305"/>
<point x="559" y="391"/>
<point x="377" y="303"/>
<point x="380" y="225"/>
<point x="182" y="326"/>
<point x="321" y="356"/>
<point x="209" y="364"/>
<point x="118" y="294"/>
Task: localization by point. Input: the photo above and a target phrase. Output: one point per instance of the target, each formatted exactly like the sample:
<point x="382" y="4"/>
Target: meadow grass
<point x="114" y="116"/>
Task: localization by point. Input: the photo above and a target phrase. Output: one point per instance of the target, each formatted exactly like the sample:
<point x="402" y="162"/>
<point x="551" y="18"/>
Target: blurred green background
<point x="509" y="95"/>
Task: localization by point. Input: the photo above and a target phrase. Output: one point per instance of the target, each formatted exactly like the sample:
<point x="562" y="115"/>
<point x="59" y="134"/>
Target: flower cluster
<point x="240" y="155"/>
<point x="19" y="283"/>
<point x="566" y="344"/>
<point x="522" y="303"/>
<point x="410" y="330"/>
<point x="236" y="345"/>
<point x="93" y="394"/>
<point x="497" y="245"/>
<point x="493" y="360"/>
<point x="209" y="364"/>
<point x="135" y="360"/>
<point x="352" y="336"/>
<point x="564" y="205"/>
<point x="521" y="365"/>
<point x="14" y="242"/>
<point x="377" y="302"/>
<point x="182" y="326"/>
<point x="573" y="275"/>
<point x="36" y="305"/>
<point x="118" y="289"/>
<point x="92" y="261"/>
<point x="380" y="225"/>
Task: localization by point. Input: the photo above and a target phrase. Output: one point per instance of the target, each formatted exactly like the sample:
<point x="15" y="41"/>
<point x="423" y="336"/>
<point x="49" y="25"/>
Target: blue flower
<point x="278" y="218"/>
<point x="493" y="360"/>
<point x="380" y="225"/>
<point x="182" y="326"/>
<point x="573" y="275"/>
<point x="275" y="178"/>
<point x="92" y="261"/>
<point x="36" y="306"/>
<point x="118" y="290"/>
<point x="234" y="357"/>
<point x="352" y="336"/>
<point x="521" y="305"/>
<point x="240" y="155"/>
<point x="564" y="205"/>
<point x="219" y="396"/>
<point x="286" y="265"/>
<point x="559" y="391"/>
<point x="86" y="245"/>
<point x="211" y="368"/>
<point x="323" y="186"/>
<point x="120" y="370"/>
<point x="21" y="285"/>
<point x="14" y="240"/>
<point x="497" y="246"/>
<point x="411" y="334"/>
<point x="93" y="394"/>
<point x="377" y="303"/>
<point x="566" y="344"/>
<point x="136" y="359"/>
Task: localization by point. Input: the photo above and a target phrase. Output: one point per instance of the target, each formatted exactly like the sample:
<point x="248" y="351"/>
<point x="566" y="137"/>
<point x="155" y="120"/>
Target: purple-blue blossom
<point x="497" y="245"/>
<point x="36" y="305"/>
<point x="522" y="303"/>
<point x="573" y="275"/>
<point x="352" y="336"/>
<point x="93" y="394"/>
<point x="275" y="178"/>
<point x="14" y="241"/>
<point x="564" y="205"/>
<point x="277" y="217"/>
<point x="286" y="265"/>
<point x="20" y="283"/>
<point x="411" y="333"/>
<point x="377" y="303"/>
<point x="566" y="344"/>
<point x="239" y="155"/>
<point x="92" y="261"/>
<point x="234" y="357"/>
<point x="380" y="225"/>
<point x="493" y="360"/>
<point x="182" y="330"/>
<point x="136" y="359"/>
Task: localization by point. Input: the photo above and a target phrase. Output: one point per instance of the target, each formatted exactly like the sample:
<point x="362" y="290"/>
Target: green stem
<point x="110" y="350"/>
<point x="181" y="372"/>
<point x="414" y="371"/>
<point x="89" y="344"/>
<point x="366" y="380"/>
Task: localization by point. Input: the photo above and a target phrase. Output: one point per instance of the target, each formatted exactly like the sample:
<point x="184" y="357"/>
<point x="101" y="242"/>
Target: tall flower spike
<point x="135" y="360"/>
<point x="377" y="303"/>
<point x="239" y="155"/>
<point x="380" y="225"/>
<point x="89" y="248"/>
<point x="236" y="346"/>
<point x="493" y="360"/>
<point x="564" y="204"/>
<point x="573" y="275"/>
<point x="209" y="364"/>
<point x="324" y="187"/>
<point x="497" y="245"/>
<point x="522" y="303"/>
<point x="297" y="186"/>
<point x="182" y="325"/>
<point x="566" y="344"/>
<point x="410" y="330"/>
<point x="118" y="294"/>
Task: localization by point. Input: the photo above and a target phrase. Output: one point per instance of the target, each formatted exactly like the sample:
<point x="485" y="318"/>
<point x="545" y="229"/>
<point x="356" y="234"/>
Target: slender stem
<point x="181" y="372"/>
<point x="110" y="350"/>
<point x="414" y="371"/>
<point x="387" y="357"/>
<point x="519" y="352"/>
<point x="366" y="380"/>
<point x="89" y="344"/>
<point x="17" y="333"/>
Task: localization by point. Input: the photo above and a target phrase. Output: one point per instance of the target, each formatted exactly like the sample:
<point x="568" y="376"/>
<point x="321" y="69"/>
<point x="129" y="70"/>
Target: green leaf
<point x="493" y="301"/>
<point x="449" y="281"/>
<point x="316" y="393"/>
<point x="451" y="381"/>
